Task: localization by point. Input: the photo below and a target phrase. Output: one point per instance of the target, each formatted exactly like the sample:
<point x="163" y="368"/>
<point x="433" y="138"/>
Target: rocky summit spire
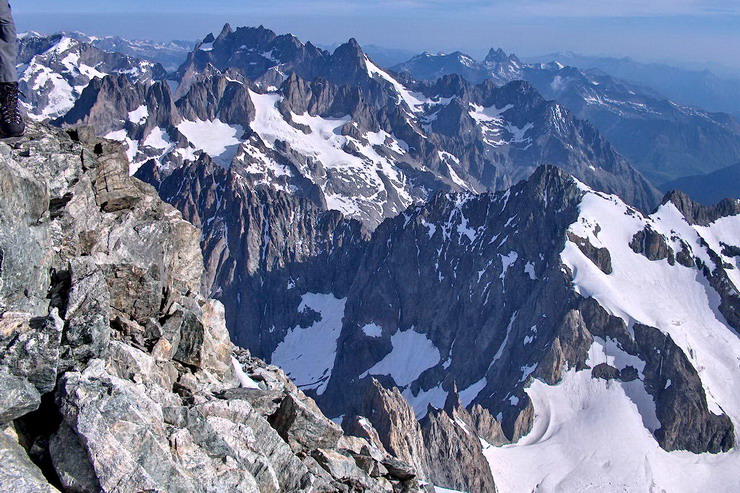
<point x="225" y="32"/>
<point x="496" y="56"/>
<point x="349" y="53"/>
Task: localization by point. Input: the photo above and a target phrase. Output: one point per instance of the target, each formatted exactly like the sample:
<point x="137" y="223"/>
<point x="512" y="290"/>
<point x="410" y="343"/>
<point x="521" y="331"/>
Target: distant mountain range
<point x="701" y="88"/>
<point x="53" y="71"/>
<point x="337" y="129"/>
<point x="662" y="139"/>
<point x="712" y="187"/>
<point x="168" y="54"/>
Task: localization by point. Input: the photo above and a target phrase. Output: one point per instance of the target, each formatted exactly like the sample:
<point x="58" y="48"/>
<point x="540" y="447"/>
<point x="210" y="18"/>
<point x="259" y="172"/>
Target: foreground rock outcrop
<point x="116" y="373"/>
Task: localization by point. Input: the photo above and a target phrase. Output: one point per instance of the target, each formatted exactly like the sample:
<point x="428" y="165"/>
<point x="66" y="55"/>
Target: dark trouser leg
<point x="8" y="48"/>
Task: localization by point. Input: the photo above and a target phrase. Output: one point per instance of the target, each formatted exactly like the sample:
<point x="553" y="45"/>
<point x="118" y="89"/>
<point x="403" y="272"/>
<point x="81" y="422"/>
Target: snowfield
<point x="589" y="436"/>
<point x="368" y="173"/>
<point x="217" y="139"/>
<point x="158" y="139"/>
<point x="307" y="354"/>
<point x="412" y="354"/>
<point x="594" y="435"/>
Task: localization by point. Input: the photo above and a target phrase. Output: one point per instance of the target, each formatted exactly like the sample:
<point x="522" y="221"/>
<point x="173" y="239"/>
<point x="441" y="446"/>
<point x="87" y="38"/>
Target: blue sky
<point x="705" y="31"/>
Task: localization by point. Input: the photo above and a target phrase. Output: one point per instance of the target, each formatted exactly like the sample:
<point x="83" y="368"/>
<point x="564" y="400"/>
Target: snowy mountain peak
<point x="353" y="45"/>
<point x="54" y="70"/>
<point x="628" y="114"/>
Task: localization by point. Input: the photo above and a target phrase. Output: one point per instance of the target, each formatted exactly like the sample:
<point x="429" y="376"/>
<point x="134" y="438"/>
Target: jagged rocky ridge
<point x="116" y="374"/>
<point x="662" y="139"/>
<point x="340" y="131"/>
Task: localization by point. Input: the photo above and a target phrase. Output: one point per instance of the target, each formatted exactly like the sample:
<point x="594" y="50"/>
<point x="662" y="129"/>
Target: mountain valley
<point x="276" y="267"/>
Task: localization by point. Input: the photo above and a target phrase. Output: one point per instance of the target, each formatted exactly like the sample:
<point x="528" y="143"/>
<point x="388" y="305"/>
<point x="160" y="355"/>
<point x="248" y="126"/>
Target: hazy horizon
<point x="697" y="34"/>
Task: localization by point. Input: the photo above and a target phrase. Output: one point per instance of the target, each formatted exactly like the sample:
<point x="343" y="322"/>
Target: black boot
<point x="11" y="120"/>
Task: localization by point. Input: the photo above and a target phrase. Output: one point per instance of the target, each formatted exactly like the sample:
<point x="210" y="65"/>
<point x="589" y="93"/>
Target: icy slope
<point x="591" y="434"/>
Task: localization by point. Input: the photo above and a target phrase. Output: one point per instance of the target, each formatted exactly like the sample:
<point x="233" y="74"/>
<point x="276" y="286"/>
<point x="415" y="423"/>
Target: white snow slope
<point x="370" y="176"/>
<point x="592" y="435"/>
<point x="412" y="353"/>
<point x="62" y="87"/>
<point x="307" y="354"/>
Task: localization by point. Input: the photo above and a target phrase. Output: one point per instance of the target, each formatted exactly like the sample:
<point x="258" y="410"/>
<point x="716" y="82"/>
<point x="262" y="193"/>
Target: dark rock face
<point x="94" y="105"/>
<point x="599" y="256"/>
<point x="88" y="314"/>
<point x="30" y="347"/>
<point x="653" y="245"/>
<point x="605" y="371"/>
<point x="455" y="452"/>
<point x="304" y="428"/>
<point x="731" y="251"/>
<point x="257" y="242"/>
<point x="696" y="213"/>
<point x="461" y="244"/>
<point x="23" y="287"/>
<point x="486" y="426"/>
<point x="126" y="380"/>
<point x="686" y="422"/>
<point x="19" y="474"/>
<point x="396" y="424"/>
<point x="19" y="397"/>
